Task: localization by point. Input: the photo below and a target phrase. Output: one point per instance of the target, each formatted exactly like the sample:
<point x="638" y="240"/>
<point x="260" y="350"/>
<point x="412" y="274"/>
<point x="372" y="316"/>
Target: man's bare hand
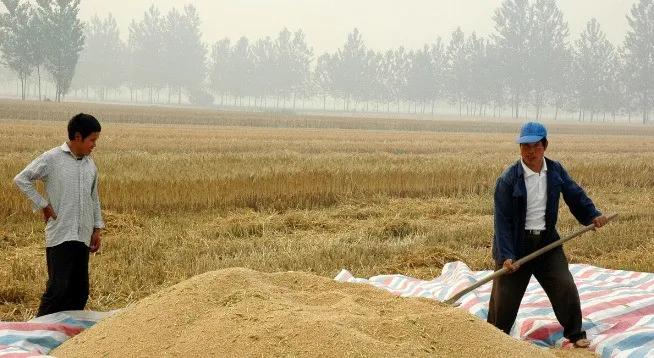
<point x="95" y="240"/>
<point x="510" y="266"/>
<point x="48" y="212"/>
<point x="600" y="221"/>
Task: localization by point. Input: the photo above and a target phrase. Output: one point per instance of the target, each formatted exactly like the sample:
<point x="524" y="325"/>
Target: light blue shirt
<point x="71" y="186"/>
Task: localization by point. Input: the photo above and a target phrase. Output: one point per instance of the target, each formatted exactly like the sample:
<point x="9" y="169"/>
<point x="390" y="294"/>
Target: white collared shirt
<point x="536" y="184"/>
<point x="71" y="185"/>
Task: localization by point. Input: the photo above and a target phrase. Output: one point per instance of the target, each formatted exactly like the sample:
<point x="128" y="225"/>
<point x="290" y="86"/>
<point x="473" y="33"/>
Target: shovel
<point x="452" y="300"/>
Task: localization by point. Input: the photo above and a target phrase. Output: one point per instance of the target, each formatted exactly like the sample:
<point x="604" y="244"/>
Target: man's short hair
<point x="84" y="124"/>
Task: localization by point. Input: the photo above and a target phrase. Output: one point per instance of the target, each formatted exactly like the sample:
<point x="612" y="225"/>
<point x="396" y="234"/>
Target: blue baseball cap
<point x="531" y="132"/>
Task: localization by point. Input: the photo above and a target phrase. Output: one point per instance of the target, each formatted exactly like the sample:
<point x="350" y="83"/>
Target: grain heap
<point x="240" y="312"/>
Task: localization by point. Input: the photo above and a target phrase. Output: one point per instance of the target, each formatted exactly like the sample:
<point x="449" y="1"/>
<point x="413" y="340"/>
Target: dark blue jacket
<point x="511" y="208"/>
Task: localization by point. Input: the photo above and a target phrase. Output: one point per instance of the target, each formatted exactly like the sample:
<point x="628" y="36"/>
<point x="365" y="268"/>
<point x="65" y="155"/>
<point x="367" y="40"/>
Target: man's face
<point x="84" y="146"/>
<point x="533" y="154"/>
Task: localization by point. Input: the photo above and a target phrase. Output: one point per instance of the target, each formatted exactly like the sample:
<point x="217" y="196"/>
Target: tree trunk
<point x="38" y="72"/>
<point x="645" y="108"/>
<point x="23" y="80"/>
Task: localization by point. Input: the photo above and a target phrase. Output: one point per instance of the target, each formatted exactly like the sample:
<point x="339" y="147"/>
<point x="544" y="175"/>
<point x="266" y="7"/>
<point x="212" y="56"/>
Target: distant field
<point x="187" y="191"/>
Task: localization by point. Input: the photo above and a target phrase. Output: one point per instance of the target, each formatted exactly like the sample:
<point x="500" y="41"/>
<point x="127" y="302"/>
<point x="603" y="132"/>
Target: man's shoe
<point x="582" y="343"/>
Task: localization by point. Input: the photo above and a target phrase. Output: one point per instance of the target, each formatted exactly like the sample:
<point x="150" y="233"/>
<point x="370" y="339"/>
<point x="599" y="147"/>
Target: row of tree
<point x="46" y="36"/>
<point x="162" y="52"/>
<point x="529" y="61"/>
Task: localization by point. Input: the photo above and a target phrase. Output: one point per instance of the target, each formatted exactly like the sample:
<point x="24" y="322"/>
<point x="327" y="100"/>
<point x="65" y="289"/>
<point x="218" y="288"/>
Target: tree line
<point x="530" y="62"/>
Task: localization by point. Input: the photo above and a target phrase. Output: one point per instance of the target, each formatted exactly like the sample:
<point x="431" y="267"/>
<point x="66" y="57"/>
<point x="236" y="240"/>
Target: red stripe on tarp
<point x="625" y="321"/>
<point x="619" y="301"/>
<point x="19" y="355"/>
<point x="646" y="285"/>
<point x="541" y="333"/>
<point x="526" y="326"/>
<point x="27" y="327"/>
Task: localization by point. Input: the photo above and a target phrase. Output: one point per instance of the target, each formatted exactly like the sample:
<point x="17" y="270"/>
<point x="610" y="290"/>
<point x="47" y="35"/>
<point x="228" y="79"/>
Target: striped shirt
<point x="71" y="186"/>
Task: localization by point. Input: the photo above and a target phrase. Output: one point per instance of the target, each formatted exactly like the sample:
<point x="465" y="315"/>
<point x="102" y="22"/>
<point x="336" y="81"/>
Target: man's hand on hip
<point x="510" y="266"/>
<point x="48" y="212"/>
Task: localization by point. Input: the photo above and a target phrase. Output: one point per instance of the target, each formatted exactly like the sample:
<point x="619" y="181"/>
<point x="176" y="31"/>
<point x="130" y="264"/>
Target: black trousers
<point x="68" y="278"/>
<point x="552" y="272"/>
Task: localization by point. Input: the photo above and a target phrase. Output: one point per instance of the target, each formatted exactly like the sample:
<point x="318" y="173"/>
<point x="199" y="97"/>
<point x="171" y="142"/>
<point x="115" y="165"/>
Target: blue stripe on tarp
<point x="43" y="341"/>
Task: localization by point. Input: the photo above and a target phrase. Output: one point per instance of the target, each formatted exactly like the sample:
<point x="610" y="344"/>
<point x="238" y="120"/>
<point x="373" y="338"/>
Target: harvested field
<point x="188" y="192"/>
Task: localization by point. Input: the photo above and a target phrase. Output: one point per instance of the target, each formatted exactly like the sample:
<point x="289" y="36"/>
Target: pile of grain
<point x="240" y="312"/>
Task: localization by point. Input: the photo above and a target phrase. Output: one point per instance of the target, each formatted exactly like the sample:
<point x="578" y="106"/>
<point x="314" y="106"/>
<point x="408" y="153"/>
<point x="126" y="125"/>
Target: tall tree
<point x="240" y="69"/>
<point x="438" y="60"/>
<point x="184" y="53"/>
<point x="548" y="52"/>
<point x="102" y="63"/>
<point x="41" y="45"/>
<point x="639" y="54"/>
<point x="513" y="24"/>
<point x="397" y="81"/>
<point x="323" y="77"/>
<point x="292" y="57"/>
<point x="626" y="80"/>
<point x="458" y="68"/>
<point x="594" y="68"/>
<point x="480" y="75"/>
<point x="378" y="90"/>
<point x="421" y="76"/>
<point x="18" y="34"/>
<point x="351" y="65"/>
<point x="264" y="76"/>
<point x="218" y="67"/>
<point x="65" y="38"/>
<point x="145" y="46"/>
<point x="302" y="56"/>
<point x="495" y="75"/>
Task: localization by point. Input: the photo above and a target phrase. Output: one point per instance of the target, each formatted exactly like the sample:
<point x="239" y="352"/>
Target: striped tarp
<point x="617" y="306"/>
<point x="37" y="337"/>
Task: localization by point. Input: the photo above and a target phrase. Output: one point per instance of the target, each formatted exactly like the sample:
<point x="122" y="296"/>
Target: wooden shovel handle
<point x="525" y="259"/>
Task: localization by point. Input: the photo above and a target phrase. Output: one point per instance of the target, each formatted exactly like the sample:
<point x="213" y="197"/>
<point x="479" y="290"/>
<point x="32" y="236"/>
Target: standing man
<point x="71" y="212"/>
<point x="526" y="209"/>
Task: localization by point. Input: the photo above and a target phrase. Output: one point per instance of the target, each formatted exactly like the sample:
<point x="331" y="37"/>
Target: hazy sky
<point x="384" y="24"/>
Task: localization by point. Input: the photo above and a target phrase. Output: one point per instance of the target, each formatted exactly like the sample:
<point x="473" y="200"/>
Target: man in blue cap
<point x="526" y="210"/>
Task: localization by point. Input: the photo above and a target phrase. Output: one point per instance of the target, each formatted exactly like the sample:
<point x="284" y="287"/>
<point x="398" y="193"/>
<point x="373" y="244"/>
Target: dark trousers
<point x="68" y="278"/>
<point x="551" y="271"/>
